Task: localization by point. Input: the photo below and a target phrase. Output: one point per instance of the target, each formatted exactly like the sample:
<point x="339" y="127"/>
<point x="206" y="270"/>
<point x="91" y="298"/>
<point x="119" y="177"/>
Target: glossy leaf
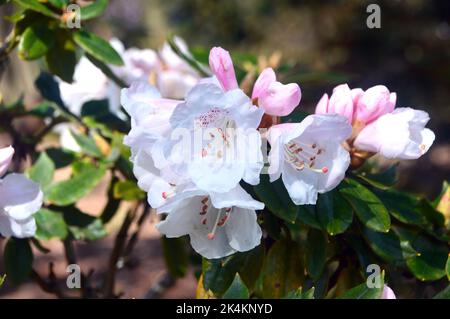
<point x="87" y="144"/>
<point x="237" y="290"/>
<point x="362" y="291"/>
<point x="38" y="7"/>
<point x="218" y="274"/>
<point x="334" y="212"/>
<point x="276" y="198"/>
<point x="369" y="209"/>
<point x="35" y="42"/>
<point x="97" y="47"/>
<point x="299" y="294"/>
<point x="93" y="10"/>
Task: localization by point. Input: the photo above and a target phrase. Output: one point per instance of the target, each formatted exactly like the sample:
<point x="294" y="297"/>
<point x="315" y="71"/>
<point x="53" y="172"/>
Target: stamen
<point x="212" y="234"/>
<point x="422" y="147"/>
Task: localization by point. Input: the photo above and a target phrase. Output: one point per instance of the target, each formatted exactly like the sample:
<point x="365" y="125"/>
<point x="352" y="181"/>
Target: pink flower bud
<point x="322" y="106"/>
<point x="375" y="102"/>
<point x="222" y="66"/>
<point x="274" y="97"/>
<point x="341" y="102"/>
<point x="6" y="155"/>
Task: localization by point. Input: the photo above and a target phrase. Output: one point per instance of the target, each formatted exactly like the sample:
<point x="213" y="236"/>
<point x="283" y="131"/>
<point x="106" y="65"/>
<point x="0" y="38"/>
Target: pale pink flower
<point x="388" y="293"/>
<point x="6" y="155"/>
<point x="222" y="66"/>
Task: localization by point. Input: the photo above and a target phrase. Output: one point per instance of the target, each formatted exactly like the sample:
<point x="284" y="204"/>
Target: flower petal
<point x="222" y="66"/>
<point x="6" y="155"/>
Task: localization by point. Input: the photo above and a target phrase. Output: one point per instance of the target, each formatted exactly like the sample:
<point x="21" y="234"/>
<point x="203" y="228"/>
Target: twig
<point x="134" y="237"/>
<point x="165" y="282"/>
<point x="119" y="245"/>
<point x="50" y="285"/>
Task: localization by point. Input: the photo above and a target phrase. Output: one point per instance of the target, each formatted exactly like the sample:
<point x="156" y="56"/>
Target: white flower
<point x="20" y="198"/>
<point x="309" y="156"/>
<point x="218" y="224"/>
<point x="6" y="155"/>
<point x="149" y="122"/>
<point x="400" y="134"/>
<point x="175" y="77"/>
<point x="220" y="144"/>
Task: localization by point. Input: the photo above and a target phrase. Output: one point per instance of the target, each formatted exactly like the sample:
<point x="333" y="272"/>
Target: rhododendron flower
<point x="221" y="145"/>
<point x="400" y="134"/>
<point x="20" y="198"/>
<point x="377" y="126"/>
<point x="218" y="224"/>
<point x="388" y="293"/>
<point x="273" y="97"/>
<point x="149" y="122"/>
<point x="308" y="155"/>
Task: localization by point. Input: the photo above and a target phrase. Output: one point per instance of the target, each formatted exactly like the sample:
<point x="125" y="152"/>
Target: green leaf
<point x="93" y="10"/>
<point x="316" y="253"/>
<point x="42" y="170"/>
<point x="50" y="224"/>
<point x="97" y="47"/>
<point x="18" y="259"/>
<point x="368" y="208"/>
<point x="252" y="262"/>
<point x="60" y="4"/>
<point x="402" y="206"/>
<point x="237" y="290"/>
<point x="79" y="185"/>
<point x="334" y="212"/>
<point x="49" y="89"/>
<point x="431" y="263"/>
<point x="218" y="274"/>
<point x="276" y="198"/>
<point x="38" y="7"/>
<point x="447" y="267"/>
<point x="307" y="216"/>
<point x="87" y="144"/>
<point x="2" y="280"/>
<point x="35" y="42"/>
<point x="299" y="294"/>
<point x="282" y="269"/>
<point x="362" y="291"/>
<point x="61" y="158"/>
<point x="389" y="246"/>
<point x="82" y="226"/>
<point x="175" y="255"/>
<point x="61" y="59"/>
<point x="444" y="294"/>
<point x="384" y="180"/>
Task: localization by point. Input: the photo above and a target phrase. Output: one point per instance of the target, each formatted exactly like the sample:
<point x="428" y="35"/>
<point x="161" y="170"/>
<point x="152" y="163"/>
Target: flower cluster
<point x="191" y="155"/>
<point x="20" y="198"/>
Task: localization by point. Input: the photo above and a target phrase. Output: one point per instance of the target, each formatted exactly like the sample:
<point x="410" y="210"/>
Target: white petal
<point x="6" y="155"/>
<point x="302" y="187"/>
<point x="19" y="196"/>
<point x="243" y="230"/>
<point x="17" y="228"/>
<point x="237" y="197"/>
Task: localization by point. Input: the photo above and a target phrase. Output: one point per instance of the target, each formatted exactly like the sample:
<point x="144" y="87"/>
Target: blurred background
<point x="325" y="42"/>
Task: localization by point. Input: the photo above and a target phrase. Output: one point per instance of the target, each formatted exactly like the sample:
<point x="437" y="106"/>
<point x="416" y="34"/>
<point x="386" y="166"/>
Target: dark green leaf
<point x="299" y="294"/>
<point x="251" y="265"/>
<point x="316" y="253"/>
<point x="444" y="294"/>
<point x="334" y="212"/>
<point x="447" y="267"/>
<point x="60" y="4"/>
<point x="60" y="157"/>
<point x="38" y="7"/>
<point x="389" y="246"/>
<point x="282" y="269"/>
<point x="362" y="291"/>
<point x="61" y="59"/>
<point x="18" y="259"/>
<point x="97" y="47"/>
<point x="50" y="224"/>
<point x="307" y="216"/>
<point x="218" y="274"/>
<point x="369" y="209"/>
<point x="35" y="42"/>
<point x="93" y="10"/>
<point x="276" y="198"/>
<point x="431" y="263"/>
<point x="175" y="255"/>
<point x="81" y="225"/>
<point x="237" y="290"/>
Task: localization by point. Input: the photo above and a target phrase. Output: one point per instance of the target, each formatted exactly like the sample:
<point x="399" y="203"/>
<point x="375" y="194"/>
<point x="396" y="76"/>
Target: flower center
<point x="301" y="155"/>
<point x="219" y="221"/>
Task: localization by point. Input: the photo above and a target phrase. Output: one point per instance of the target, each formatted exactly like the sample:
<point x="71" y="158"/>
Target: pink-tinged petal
<point x="6" y="155"/>
<point x="322" y="106"/>
<point x="341" y="102"/>
<point x="263" y="82"/>
<point x="281" y="99"/>
<point x="388" y="293"/>
<point x="356" y="95"/>
<point x="222" y="66"/>
<point x="374" y="103"/>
